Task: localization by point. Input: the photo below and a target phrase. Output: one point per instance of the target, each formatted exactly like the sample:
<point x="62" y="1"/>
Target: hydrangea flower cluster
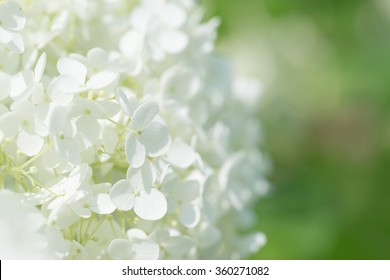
<point x="123" y="135"/>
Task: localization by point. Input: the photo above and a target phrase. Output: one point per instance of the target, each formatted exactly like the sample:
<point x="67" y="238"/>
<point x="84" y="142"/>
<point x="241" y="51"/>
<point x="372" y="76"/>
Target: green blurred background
<point x="325" y="68"/>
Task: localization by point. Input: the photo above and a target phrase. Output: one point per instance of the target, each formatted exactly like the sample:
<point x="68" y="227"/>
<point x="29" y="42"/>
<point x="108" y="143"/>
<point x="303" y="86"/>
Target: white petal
<point x="173" y="15"/>
<point x="21" y="82"/>
<point x="102" y="204"/>
<point x="11" y="16"/>
<point x="189" y="215"/>
<point x="97" y="57"/>
<point x="81" y="211"/>
<point x="156" y="139"/>
<point x="135" y="233"/>
<point x="188" y="190"/>
<point x="150" y="206"/>
<point x="5" y="36"/>
<point x="178" y="246"/>
<point x="89" y="128"/>
<point x="145" y="250"/>
<point x="106" y="109"/>
<point x="122" y="195"/>
<point x="40" y="67"/>
<point x="135" y="151"/>
<point x="173" y="41"/>
<point x="29" y="144"/>
<point x="16" y="44"/>
<point x="131" y="43"/>
<point x="66" y="84"/>
<point x="143" y="177"/>
<point x="101" y="80"/>
<point x="127" y="100"/>
<point x="5" y="82"/>
<point x="8" y="125"/>
<point x="73" y="68"/>
<point x="181" y="155"/>
<point x="144" y="115"/>
<point x="121" y="249"/>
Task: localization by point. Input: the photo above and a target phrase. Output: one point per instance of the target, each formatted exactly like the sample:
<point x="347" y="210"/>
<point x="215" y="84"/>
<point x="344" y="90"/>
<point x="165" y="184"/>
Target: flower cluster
<point x="122" y="134"/>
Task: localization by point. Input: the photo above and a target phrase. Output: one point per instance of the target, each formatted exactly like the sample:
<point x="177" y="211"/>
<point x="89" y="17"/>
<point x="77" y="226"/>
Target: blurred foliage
<point x="326" y="118"/>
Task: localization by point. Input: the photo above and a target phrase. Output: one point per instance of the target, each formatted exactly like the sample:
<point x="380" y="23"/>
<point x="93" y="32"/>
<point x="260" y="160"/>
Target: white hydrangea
<point x="123" y="135"/>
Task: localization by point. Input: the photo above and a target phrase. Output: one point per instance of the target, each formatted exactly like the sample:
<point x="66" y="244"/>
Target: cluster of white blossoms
<point x="123" y="135"/>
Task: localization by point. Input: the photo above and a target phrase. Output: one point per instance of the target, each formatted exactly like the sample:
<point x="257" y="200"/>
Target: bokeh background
<point x="325" y="70"/>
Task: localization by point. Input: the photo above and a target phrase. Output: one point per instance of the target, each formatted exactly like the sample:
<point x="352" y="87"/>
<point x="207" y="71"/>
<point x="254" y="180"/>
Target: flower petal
<point x="102" y="204"/>
<point x="29" y="144"/>
<point x="122" y="195"/>
<point x="150" y="205"/>
<point x="189" y="215"/>
<point x="156" y="139"/>
<point x="73" y="68"/>
<point x="135" y="151"/>
<point x="181" y="155"/>
<point x="178" y="246"/>
<point x="121" y="249"/>
<point x="144" y="115"/>
<point x="5" y="82"/>
<point x="40" y="67"/>
<point x="11" y="16"/>
<point x="145" y="250"/>
<point x="173" y="41"/>
<point x="101" y="80"/>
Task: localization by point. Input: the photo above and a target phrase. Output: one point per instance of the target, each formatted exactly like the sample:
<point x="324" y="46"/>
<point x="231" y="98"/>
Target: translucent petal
<point x="181" y="155"/>
<point x="150" y="206"/>
<point x="142" y="177"/>
<point x="11" y="16"/>
<point x="102" y="204"/>
<point x="29" y="144"/>
<point x="135" y="151"/>
<point x="156" y="139"/>
<point x="173" y="41"/>
<point x="40" y="67"/>
<point x="144" y="115"/>
<point x="122" y="195"/>
<point x="189" y="215"/>
<point x="101" y="80"/>
<point x="73" y="68"/>
<point x="127" y="100"/>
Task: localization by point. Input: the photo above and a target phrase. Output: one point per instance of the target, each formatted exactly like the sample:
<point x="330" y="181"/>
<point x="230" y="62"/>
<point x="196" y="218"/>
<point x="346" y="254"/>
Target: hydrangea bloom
<point x="123" y="135"/>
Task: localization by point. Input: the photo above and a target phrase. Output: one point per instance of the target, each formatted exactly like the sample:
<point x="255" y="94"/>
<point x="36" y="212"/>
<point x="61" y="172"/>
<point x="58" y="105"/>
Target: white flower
<point x="136" y="192"/>
<point x="149" y="136"/>
<point x="128" y="134"/>
<point x="183" y="199"/>
<point x="73" y="77"/>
